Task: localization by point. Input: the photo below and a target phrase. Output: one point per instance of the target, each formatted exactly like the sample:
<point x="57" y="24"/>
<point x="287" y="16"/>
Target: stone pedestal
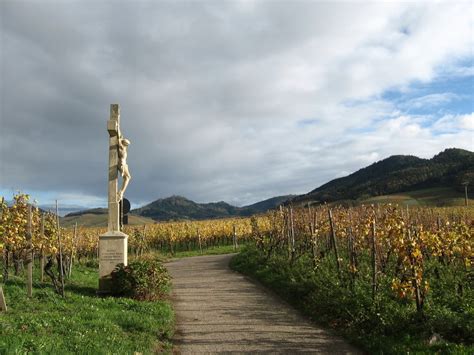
<point x="112" y="251"/>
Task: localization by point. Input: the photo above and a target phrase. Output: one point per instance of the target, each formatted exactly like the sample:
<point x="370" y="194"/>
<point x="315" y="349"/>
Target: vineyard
<point x="370" y="244"/>
<point x="26" y="234"/>
<point x="376" y="268"/>
<point x="390" y="278"/>
<point x="375" y="245"/>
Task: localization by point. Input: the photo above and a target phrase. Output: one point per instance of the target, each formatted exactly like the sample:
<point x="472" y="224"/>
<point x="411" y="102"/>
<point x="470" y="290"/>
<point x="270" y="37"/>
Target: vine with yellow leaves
<point x="366" y="244"/>
<point x="381" y="246"/>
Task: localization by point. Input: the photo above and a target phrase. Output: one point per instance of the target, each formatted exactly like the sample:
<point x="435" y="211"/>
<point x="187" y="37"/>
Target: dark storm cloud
<point x="213" y="93"/>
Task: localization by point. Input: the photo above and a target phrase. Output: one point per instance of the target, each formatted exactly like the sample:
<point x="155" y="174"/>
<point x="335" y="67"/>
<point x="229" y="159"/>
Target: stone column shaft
<point x="113" y="128"/>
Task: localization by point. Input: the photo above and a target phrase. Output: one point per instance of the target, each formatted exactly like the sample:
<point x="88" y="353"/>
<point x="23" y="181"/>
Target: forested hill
<point x="398" y="173"/>
<point x="178" y="207"/>
<point x="265" y="205"/>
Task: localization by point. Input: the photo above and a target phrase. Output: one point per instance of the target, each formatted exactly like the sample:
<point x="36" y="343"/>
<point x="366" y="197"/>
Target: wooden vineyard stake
<point x="374" y="263"/>
<point x="466" y="198"/>
<point x="314" y="240"/>
<point x="234" y="236"/>
<point x="418" y="297"/>
<point x="199" y="239"/>
<point x="288" y="232"/>
<point x="350" y="252"/>
<point x="333" y="242"/>
<point x="42" y="251"/>
<point x="3" y="303"/>
<point x="74" y="241"/>
<point x="5" y="250"/>
<point x="293" y="249"/>
<point x="29" y="256"/>
<point x="5" y="264"/>
<point x="61" y="270"/>
<point x="143" y="240"/>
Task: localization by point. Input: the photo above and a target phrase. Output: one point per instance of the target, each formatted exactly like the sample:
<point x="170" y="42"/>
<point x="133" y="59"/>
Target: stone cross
<point x="113" y="244"/>
<point x="113" y="126"/>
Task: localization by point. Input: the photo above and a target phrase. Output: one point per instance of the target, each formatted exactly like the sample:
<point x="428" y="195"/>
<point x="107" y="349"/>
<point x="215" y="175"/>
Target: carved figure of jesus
<point x="123" y="144"/>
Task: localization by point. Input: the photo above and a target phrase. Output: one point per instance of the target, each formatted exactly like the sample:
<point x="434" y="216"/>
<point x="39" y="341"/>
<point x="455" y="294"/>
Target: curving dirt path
<point x="219" y="310"/>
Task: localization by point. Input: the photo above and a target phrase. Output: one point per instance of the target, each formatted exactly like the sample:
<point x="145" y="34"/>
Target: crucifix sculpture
<point x="113" y="244"/>
<point x="117" y="163"/>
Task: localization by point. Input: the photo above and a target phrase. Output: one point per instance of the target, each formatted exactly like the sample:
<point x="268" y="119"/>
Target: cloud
<point x="234" y="101"/>
<point x="466" y="122"/>
<point x="430" y="101"/>
<point x="455" y="123"/>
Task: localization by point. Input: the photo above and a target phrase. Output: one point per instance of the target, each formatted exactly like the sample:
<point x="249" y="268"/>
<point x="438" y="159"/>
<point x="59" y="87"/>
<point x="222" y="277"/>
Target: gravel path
<point x="219" y="310"/>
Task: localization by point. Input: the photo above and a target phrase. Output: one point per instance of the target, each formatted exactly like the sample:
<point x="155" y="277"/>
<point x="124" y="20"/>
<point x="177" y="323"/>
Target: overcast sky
<point x="226" y="100"/>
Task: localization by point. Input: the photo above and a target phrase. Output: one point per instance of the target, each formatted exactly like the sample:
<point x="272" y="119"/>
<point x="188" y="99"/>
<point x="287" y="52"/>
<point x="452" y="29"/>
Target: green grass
<point x="82" y="322"/>
<point x="390" y="326"/>
<point x="215" y="250"/>
<point x="442" y="196"/>
<point x="165" y="256"/>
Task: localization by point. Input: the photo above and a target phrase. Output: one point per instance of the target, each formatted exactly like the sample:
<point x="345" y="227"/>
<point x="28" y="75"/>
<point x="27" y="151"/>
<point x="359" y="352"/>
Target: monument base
<point x="112" y="252"/>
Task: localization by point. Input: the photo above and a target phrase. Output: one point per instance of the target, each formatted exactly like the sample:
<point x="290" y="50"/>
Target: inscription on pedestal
<point x="112" y="251"/>
<point x="110" y="258"/>
<point x="110" y="255"/>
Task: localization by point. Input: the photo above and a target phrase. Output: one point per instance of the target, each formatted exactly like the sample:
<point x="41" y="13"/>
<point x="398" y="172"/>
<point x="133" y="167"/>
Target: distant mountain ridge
<point x="179" y="208"/>
<point x="398" y="173"/>
<point x="266" y="205"/>
<point x="99" y="210"/>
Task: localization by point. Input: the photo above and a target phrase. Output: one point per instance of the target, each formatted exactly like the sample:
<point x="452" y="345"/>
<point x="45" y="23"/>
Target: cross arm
<point x="112" y="127"/>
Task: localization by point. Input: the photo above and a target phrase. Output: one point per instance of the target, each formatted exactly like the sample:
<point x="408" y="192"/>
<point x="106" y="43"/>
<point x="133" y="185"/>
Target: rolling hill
<point x="397" y="174"/>
<point x="178" y="207"/>
<point x="173" y="208"/>
<point x="265" y="205"/>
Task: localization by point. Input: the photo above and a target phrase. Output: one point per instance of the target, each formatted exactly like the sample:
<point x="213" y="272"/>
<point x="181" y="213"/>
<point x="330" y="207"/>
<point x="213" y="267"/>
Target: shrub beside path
<point x="219" y="310"/>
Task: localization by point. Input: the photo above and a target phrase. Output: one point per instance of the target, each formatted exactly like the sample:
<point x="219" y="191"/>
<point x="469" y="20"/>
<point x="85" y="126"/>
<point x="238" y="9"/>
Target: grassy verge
<point x="82" y="322"/>
<point x="221" y="249"/>
<point x="390" y="326"/>
<point x="438" y="196"/>
<point x="215" y="250"/>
